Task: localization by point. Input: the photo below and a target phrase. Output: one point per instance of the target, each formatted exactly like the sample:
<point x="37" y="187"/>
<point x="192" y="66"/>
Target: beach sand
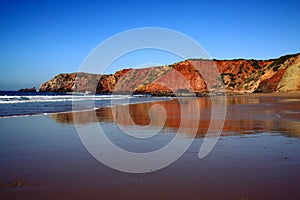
<point x="257" y="155"/>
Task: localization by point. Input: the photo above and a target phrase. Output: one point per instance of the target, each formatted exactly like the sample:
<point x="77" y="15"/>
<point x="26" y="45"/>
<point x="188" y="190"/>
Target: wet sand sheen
<point x="256" y="157"/>
<point x="244" y="114"/>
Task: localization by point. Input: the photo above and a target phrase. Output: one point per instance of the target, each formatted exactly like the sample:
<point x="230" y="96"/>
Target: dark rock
<point x="33" y="89"/>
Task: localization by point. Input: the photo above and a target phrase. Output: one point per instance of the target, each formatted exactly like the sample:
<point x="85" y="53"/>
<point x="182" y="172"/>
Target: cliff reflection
<point x="245" y="115"/>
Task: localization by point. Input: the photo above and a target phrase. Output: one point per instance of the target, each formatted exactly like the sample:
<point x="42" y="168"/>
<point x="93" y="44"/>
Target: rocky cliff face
<point x="79" y="82"/>
<point x="196" y="75"/>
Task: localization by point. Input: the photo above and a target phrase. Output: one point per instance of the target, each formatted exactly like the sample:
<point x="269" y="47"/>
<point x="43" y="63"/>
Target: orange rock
<point x="194" y="75"/>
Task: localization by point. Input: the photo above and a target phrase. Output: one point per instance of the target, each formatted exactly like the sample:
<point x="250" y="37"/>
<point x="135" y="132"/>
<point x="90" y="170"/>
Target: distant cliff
<point x="194" y="75"/>
<point x="33" y="89"/>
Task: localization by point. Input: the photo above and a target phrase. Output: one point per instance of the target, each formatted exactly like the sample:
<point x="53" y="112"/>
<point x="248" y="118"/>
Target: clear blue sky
<point x="40" y="39"/>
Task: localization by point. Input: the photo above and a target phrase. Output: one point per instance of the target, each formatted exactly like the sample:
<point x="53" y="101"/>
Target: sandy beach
<point x="256" y="157"/>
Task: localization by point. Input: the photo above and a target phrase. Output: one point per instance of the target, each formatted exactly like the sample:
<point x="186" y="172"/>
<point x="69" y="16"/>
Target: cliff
<point x="79" y="81"/>
<point x="193" y="75"/>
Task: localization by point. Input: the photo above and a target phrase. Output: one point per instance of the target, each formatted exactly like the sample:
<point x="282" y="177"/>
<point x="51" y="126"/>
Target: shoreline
<point x="87" y="110"/>
<point x="226" y="95"/>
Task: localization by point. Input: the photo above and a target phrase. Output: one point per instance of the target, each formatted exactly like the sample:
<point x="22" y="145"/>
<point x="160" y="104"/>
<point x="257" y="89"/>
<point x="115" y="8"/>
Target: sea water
<point x="19" y="103"/>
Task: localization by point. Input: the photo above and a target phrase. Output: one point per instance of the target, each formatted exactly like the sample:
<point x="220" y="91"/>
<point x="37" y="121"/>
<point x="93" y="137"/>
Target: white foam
<point x="58" y="98"/>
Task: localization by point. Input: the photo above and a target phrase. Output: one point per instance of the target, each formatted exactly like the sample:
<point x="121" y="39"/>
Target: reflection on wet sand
<point x="246" y="114"/>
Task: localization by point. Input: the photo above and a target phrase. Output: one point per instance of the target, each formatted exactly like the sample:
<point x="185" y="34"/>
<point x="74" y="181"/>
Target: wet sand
<point x="256" y="157"/>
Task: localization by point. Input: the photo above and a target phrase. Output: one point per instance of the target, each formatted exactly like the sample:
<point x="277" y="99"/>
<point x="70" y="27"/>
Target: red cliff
<point x="190" y="76"/>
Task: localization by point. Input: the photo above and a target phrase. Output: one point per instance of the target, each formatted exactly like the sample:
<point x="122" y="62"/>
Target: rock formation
<point x="79" y="82"/>
<point x="190" y="76"/>
<point x="33" y="89"/>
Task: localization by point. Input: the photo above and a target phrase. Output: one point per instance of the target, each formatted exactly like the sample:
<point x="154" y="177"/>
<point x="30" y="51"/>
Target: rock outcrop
<point x="79" y="82"/>
<point x="190" y="76"/>
<point x="33" y="89"/>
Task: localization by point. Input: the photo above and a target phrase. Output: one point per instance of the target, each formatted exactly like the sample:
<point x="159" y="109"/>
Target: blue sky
<point x="40" y="39"/>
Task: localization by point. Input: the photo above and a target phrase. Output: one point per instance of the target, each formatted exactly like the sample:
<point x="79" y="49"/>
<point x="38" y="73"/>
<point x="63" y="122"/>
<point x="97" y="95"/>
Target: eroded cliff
<point x="194" y="75"/>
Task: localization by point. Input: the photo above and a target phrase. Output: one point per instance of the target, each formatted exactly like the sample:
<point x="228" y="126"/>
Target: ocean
<point x="18" y="103"/>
